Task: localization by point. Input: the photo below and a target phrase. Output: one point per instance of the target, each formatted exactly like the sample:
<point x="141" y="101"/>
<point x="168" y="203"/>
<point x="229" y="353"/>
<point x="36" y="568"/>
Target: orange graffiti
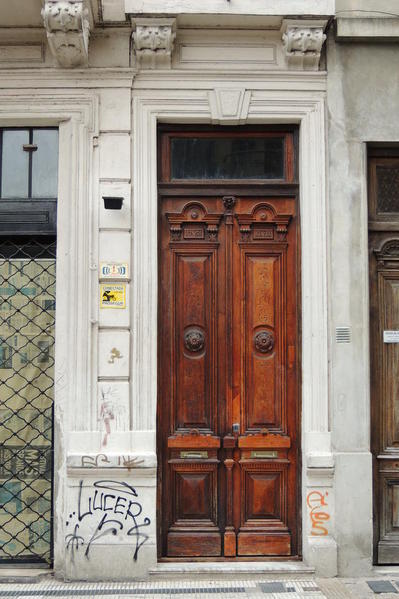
<point x="315" y="501"/>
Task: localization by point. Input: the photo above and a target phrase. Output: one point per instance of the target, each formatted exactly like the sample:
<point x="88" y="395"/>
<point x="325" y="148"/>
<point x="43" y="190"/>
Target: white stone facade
<point x="106" y="84"/>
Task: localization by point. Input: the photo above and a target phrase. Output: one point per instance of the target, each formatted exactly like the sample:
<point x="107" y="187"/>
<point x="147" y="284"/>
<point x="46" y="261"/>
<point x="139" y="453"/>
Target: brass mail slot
<point x="263" y="454"/>
<point x="194" y="455"/>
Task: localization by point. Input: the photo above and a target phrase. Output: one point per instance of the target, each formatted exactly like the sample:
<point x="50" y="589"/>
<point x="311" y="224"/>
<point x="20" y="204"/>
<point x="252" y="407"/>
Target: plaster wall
<point x="363" y="102"/>
<point x="105" y="400"/>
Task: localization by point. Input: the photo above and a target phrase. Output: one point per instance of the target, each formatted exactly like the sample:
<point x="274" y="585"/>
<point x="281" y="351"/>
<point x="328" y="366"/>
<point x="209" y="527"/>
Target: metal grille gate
<point x="27" y="319"/>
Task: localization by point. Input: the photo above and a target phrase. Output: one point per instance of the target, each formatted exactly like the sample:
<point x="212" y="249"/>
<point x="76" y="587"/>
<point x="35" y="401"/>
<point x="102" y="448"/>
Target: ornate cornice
<point x="153" y="42"/>
<point x="68" y="29"/>
<point x="303" y="41"/>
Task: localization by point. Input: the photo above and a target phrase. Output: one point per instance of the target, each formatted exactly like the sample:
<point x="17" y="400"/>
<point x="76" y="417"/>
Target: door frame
<point x="260" y="190"/>
<point x="164" y="97"/>
<point x="75" y="113"/>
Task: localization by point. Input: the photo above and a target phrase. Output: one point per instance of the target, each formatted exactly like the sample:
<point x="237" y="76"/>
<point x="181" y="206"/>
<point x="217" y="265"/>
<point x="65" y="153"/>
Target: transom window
<point x="226" y="155"/>
<point x="28" y="163"/>
<point x="28" y="180"/>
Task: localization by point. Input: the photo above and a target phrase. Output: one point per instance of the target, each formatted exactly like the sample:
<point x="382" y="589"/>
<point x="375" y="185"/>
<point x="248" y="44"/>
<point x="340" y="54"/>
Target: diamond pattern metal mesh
<point x="27" y="318"/>
<point x="388" y="189"/>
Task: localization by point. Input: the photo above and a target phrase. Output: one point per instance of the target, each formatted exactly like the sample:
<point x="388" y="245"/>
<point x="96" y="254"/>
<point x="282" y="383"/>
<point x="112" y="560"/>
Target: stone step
<point x="24" y="575"/>
<point x="222" y="570"/>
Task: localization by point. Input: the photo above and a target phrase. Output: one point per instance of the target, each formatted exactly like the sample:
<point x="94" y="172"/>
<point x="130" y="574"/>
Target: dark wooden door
<point x="384" y="348"/>
<point x="228" y="393"/>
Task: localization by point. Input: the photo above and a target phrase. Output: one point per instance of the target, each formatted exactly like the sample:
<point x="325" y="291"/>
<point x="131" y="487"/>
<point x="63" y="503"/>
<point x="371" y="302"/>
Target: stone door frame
<point x="166" y="96"/>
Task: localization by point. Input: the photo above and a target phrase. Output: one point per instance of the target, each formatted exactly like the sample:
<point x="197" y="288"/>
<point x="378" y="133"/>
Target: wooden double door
<point x="383" y="170"/>
<point x="228" y="376"/>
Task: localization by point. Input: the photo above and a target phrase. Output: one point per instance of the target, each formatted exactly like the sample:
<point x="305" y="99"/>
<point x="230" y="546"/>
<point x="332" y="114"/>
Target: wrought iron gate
<point x="27" y="319"/>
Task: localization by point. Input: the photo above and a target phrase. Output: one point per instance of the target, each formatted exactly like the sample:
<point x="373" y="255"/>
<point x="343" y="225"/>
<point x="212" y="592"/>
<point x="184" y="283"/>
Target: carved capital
<point x="153" y="42"/>
<point x="68" y="29"/>
<point x="303" y="41"/>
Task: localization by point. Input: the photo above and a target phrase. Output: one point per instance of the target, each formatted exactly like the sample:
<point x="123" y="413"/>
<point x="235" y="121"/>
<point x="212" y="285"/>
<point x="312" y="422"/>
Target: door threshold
<point x="261" y="569"/>
<point x="392" y="570"/>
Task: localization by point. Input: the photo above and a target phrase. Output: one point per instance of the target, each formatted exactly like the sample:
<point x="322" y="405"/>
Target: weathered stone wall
<point x="363" y="103"/>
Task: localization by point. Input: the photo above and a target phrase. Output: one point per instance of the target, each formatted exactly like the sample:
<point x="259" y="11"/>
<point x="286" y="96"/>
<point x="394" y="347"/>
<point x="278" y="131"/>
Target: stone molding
<point x="68" y="28"/>
<point x="299" y="98"/>
<point x="153" y="43"/>
<point x="303" y="41"/>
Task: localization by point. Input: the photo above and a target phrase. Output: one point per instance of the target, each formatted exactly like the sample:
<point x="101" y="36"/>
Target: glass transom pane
<point x="227" y="158"/>
<point x="15" y="164"/>
<point x="45" y="163"/>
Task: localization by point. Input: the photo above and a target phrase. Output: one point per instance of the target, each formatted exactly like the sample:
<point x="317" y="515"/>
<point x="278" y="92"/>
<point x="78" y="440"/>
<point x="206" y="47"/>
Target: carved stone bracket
<point x="68" y="28"/>
<point x="153" y="42"/>
<point x="303" y="41"/>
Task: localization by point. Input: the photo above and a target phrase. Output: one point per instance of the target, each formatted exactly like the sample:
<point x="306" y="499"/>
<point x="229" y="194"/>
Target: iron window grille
<point x="27" y="324"/>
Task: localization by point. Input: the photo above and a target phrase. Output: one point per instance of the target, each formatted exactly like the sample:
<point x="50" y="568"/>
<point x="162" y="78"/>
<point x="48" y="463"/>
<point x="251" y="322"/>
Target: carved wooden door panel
<point x="228" y="397"/>
<point x="384" y="349"/>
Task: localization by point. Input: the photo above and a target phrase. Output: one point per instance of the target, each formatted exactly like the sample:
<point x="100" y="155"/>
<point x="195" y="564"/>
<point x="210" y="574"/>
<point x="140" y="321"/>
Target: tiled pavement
<point x="200" y="589"/>
<point x="333" y="588"/>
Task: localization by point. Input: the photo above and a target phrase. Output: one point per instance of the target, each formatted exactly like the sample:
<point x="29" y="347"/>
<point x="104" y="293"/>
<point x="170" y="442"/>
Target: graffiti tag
<point x="113" y="508"/>
<point x="319" y="517"/>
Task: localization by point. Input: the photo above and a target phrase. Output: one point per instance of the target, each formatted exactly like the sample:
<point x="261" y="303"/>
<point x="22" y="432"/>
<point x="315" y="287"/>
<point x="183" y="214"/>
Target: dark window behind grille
<point x="28" y="197"/>
<point x="26" y="398"/>
<point x="388" y="188"/>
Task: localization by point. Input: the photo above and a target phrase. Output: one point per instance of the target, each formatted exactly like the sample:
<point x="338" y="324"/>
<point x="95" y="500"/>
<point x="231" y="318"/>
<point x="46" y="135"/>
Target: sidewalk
<point x="386" y="587"/>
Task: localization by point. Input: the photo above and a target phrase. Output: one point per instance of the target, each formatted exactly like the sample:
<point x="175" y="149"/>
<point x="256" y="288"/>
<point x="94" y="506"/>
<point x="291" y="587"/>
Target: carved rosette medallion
<point x="194" y="339"/>
<point x="264" y="341"/>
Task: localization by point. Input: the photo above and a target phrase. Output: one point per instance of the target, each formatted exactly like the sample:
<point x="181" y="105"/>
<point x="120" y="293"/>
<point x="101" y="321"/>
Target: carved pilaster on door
<point x="67" y="26"/>
<point x="153" y="43"/>
<point x="303" y="41"/>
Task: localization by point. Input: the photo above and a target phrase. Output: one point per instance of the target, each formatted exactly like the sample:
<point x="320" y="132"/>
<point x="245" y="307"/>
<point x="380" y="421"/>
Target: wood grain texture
<point x="228" y="349"/>
<point x="384" y="357"/>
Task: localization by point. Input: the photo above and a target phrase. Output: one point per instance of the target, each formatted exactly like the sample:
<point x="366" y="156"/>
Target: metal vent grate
<point x="343" y="335"/>
<point x="27" y="318"/>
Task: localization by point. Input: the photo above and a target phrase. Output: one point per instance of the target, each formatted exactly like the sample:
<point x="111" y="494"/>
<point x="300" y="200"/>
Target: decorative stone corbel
<point x="68" y="28"/>
<point x="303" y="41"/>
<point x="153" y="41"/>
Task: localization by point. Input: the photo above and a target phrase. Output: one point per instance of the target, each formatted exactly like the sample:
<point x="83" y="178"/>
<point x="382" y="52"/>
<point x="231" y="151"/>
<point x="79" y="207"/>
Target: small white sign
<point x="391" y="336"/>
<point x="114" y="270"/>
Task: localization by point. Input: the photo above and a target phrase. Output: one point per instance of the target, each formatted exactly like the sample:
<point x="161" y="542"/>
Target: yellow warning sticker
<point x="113" y="296"/>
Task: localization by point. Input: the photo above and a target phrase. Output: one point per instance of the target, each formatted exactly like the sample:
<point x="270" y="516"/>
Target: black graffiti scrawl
<point x="113" y="508"/>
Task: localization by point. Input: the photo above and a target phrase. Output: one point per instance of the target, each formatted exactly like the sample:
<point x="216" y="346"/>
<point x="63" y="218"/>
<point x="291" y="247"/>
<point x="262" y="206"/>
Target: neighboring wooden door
<point x="384" y="348"/>
<point x="228" y="392"/>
